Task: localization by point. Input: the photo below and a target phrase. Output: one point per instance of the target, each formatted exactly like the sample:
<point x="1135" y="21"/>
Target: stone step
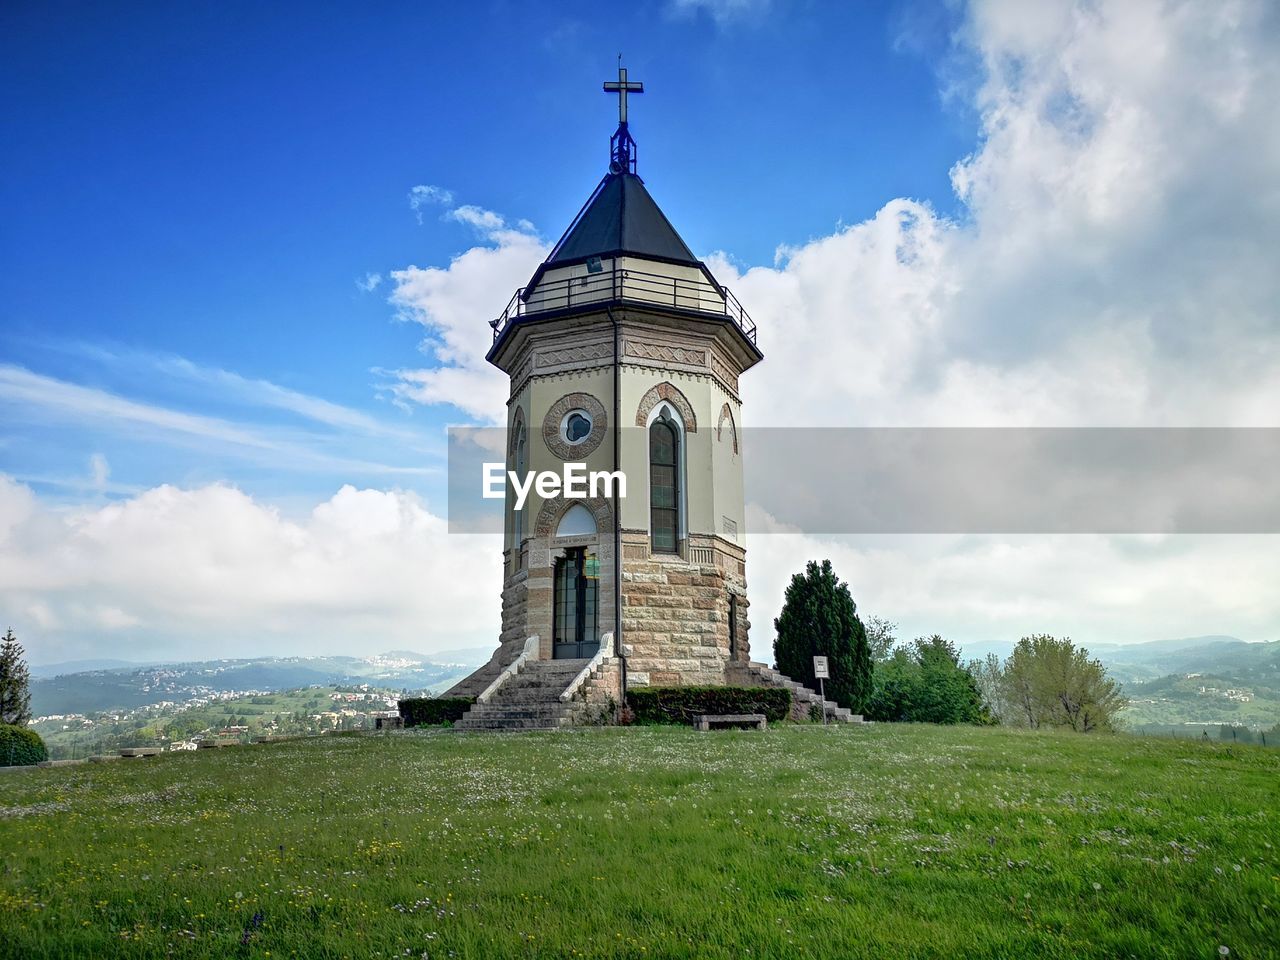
<point x="802" y="693"/>
<point x="554" y="666"/>
<point x="512" y="723"/>
<point x="482" y="711"/>
<point x="536" y="691"/>
<point x="530" y="700"/>
<point x="529" y="694"/>
<point x="523" y="679"/>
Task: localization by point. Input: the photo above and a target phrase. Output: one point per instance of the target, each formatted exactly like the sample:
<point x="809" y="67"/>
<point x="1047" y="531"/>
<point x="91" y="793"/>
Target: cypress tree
<point x="819" y="618"/>
<point x="15" y="682"/>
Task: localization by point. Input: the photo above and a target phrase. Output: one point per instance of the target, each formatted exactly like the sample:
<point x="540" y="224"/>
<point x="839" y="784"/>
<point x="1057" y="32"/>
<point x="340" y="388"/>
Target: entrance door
<point x="575" y="628"/>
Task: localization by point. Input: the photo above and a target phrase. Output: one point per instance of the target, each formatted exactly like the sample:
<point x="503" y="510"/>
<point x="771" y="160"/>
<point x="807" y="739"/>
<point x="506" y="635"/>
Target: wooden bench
<point x="705" y="721"/>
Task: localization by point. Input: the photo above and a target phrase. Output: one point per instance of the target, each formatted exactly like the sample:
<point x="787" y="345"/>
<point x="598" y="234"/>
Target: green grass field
<point x="882" y="841"/>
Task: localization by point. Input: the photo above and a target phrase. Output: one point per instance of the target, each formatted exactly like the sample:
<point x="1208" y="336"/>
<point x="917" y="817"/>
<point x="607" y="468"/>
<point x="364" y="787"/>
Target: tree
<point x="15" y="682"/>
<point x="819" y="618"/>
<point x="881" y="636"/>
<point x="988" y="676"/>
<point x="1052" y="683"/>
<point x="925" y="683"/>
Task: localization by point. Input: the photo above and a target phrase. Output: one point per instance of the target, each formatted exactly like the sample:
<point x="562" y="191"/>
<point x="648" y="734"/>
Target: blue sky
<point x="229" y="343"/>
<point x="209" y="181"/>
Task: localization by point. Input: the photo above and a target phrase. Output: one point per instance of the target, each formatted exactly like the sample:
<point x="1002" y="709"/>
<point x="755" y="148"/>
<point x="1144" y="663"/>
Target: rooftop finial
<point x="622" y="149"/>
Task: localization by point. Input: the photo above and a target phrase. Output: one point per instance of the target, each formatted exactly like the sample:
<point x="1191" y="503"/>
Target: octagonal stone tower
<point x="625" y="354"/>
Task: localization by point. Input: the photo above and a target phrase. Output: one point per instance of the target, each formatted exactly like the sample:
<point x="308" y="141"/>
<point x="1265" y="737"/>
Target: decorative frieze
<point x="580" y="354"/>
<point x="664" y="353"/>
<point x="521" y="376"/>
<point x="724" y="373"/>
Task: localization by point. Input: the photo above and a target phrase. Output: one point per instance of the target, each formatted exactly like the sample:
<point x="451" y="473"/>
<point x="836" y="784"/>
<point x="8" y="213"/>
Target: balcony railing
<point x="625" y="285"/>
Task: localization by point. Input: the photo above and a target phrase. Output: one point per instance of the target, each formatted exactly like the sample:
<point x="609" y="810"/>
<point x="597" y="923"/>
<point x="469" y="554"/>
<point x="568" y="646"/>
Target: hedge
<point x="682" y="704"/>
<point x="428" y="711"/>
<point x="20" y="747"/>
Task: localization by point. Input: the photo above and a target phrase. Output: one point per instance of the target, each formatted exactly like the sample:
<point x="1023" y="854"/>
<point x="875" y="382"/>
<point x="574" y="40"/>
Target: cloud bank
<point x="210" y="572"/>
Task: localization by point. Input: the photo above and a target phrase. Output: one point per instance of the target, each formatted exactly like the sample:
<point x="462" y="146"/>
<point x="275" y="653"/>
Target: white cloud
<point x="1114" y="263"/>
<point x="370" y="282"/>
<point x="1097" y="589"/>
<point x="264" y="393"/>
<point x="99" y="471"/>
<point x="453" y="303"/>
<point x="485" y="221"/>
<point x="33" y="397"/>
<point x="186" y="572"/>
<point x="34" y="392"/>
<point x="426" y="195"/>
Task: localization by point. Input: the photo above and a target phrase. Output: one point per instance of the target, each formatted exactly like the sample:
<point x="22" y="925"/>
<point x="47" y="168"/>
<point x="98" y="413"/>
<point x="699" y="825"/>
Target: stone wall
<point x="604" y="686"/>
<point x="515" y="608"/>
<point x="675" y="618"/>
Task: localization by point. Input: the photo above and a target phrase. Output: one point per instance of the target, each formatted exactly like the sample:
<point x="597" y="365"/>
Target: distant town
<point x="181" y="706"/>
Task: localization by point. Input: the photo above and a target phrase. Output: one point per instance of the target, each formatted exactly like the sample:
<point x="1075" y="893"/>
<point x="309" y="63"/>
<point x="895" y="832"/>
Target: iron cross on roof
<point x="622" y="87"/>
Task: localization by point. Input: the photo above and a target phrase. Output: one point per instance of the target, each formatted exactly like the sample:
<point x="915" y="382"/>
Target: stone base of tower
<point x="515" y="629"/>
<point x="684" y="622"/>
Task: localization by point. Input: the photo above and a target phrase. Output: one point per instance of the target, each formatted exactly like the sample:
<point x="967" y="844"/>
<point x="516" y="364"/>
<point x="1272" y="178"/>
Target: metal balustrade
<point x="626" y="285"/>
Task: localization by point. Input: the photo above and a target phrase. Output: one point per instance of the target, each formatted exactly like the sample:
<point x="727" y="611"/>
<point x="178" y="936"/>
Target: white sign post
<point x="821" y="672"/>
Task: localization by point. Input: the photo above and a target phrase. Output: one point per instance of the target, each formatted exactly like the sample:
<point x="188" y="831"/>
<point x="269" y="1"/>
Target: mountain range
<point x="103" y="685"/>
<point x="1206" y="679"/>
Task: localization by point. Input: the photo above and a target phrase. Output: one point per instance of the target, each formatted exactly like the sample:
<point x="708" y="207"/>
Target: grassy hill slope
<point x="883" y="841"/>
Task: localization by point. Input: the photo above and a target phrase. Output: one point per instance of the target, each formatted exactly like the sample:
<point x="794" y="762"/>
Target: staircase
<point x="802" y="697"/>
<point x="529" y="700"/>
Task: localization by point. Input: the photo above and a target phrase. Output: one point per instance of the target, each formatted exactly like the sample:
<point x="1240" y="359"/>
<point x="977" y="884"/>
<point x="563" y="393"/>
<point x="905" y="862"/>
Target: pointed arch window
<point x="518" y="464"/>
<point x="664" y="485"/>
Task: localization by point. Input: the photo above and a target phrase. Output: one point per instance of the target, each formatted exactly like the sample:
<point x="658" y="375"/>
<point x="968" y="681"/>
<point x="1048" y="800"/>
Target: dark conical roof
<point x="621" y="218"/>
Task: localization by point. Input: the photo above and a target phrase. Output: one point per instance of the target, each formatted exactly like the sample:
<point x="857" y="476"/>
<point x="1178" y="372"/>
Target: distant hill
<point x="471" y="656"/>
<point x="79" y="666"/>
<point x="114" y="687"/>
<point x="1150" y="659"/>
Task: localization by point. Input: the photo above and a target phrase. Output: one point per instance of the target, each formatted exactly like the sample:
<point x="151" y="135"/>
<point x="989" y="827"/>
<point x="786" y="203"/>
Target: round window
<point x="576" y="426"/>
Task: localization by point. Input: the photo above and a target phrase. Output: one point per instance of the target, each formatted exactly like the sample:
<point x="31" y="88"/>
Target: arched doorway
<point x="575" y="615"/>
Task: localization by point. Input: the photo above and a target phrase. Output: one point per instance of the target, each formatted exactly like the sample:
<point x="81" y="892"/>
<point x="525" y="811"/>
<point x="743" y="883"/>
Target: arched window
<point x="664" y="485"/>
<point x="577" y="522"/>
<point x="518" y="465"/>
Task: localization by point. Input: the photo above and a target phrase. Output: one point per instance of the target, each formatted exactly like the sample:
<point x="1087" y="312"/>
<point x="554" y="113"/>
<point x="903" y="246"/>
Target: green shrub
<point x="20" y="746"/>
<point x="924" y="683"/>
<point x="682" y="704"/>
<point x="433" y="711"/>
